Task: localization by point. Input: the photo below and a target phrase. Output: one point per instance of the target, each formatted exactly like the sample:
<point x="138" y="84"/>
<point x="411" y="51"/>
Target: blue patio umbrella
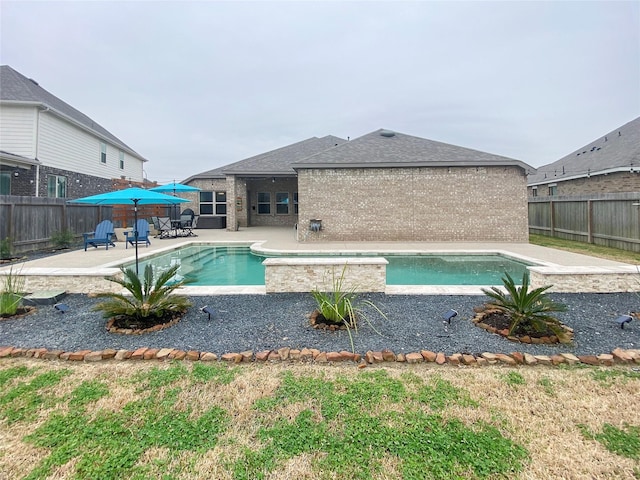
<point x="174" y="188"/>
<point x="131" y="196"/>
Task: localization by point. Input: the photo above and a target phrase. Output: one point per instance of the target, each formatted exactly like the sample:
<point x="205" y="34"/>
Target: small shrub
<point x="528" y="310"/>
<point x="5" y="248"/>
<point x="344" y="306"/>
<point x="150" y="303"/>
<point x="12" y="293"/>
<point x="62" y="239"/>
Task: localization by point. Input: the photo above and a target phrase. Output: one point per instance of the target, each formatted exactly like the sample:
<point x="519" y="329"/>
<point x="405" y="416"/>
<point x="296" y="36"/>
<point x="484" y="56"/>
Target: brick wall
<point x="414" y="204"/>
<point x="611" y="183"/>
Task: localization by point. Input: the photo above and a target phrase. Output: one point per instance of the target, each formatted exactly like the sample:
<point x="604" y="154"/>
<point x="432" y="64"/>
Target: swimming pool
<point x="213" y="265"/>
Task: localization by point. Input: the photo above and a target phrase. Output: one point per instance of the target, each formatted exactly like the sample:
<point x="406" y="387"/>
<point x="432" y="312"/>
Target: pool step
<point x="44" y="297"/>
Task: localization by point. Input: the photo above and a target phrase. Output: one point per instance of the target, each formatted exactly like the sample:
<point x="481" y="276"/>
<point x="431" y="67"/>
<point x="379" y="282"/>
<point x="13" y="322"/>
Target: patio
<point x="83" y="272"/>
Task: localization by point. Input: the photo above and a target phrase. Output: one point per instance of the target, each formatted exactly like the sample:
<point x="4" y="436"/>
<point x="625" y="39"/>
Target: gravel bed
<point x="268" y="322"/>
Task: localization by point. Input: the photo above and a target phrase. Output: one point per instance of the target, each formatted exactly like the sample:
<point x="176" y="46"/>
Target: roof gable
<point x="16" y="88"/>
<point x="274" y="162"/>
<point x="386" y="148"/>
<point x="618" y="149"/>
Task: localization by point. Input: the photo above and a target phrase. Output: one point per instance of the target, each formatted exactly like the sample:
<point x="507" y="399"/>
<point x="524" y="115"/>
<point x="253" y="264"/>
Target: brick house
<point x="609" y="164"/>
<point x="382" y="186"/>
<point x="50" y="149"/>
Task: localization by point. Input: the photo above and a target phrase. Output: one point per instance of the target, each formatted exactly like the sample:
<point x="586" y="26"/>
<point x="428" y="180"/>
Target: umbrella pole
<point x="135" y="229"/>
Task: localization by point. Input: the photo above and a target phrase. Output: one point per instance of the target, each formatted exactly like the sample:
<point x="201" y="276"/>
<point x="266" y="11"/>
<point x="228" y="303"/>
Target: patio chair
<point x="102" y="235"/>
<point x="143" y="234"/>
<point x="164" y="227"/>
<point x="187" y="225"/>
<point x="156" y="225"/>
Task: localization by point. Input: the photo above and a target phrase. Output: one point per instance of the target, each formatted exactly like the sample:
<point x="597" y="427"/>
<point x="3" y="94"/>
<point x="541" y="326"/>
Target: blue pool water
<point x="208" y="265"/>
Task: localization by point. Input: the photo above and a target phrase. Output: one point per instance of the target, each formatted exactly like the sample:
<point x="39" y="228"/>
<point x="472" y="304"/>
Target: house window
<point x="264" y="203"/>
<point x="103" y="152"/>
<point x="295" y="202"/>
<point x="206" y="203"/>
<point x="553" y="189"/>
<point x="221" y="203"/>
<point x="56" y="186"/>
<point x="121" y="158"/>
<point x="534" y="191"/>
<point x="5" y="183"/>
<point x="282" y="203"/>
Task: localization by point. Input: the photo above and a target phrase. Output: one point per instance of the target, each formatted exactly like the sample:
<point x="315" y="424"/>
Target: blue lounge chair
<point x="103" y="235"/>
<point x="143" y="234"/>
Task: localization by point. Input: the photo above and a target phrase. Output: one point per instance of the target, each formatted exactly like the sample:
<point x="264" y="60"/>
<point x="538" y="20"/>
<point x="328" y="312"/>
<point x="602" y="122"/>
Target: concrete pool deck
<point x="78" y="271"/>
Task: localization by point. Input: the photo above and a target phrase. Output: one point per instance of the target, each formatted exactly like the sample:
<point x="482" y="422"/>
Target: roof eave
<point x="506" y="163"/>
<point x="585" y="175"/>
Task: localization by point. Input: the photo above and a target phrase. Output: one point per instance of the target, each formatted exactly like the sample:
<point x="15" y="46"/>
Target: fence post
<point x="552" y="218"/>
<point x="589" y="221"/>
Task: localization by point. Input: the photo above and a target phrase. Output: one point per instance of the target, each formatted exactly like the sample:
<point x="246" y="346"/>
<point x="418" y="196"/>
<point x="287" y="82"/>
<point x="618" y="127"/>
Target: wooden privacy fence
<point x="612" y="220"/>
<point x="29" y="222"/>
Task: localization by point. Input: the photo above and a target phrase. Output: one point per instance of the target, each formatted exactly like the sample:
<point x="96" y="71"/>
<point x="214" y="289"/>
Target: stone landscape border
<point x="310" y="355"/>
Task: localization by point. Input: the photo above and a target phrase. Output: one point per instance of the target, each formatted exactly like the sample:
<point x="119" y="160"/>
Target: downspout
<point x="38" y="148"/>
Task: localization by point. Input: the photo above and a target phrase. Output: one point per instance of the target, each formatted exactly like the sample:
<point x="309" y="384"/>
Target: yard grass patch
<point x="184" y="420"/>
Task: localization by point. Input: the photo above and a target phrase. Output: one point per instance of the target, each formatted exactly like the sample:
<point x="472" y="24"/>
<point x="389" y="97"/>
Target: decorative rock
<point x="263" y="355"/>
<point x="377" y="357"/>
<point x="321" y="357"/>
<point x="557" y="359"/>
<point x="150" y="354"/>
<point x="231" y="357"/>
<point x="469" y="360"/>
<point x="605" y="359"/>
<point x="482" y="362"/>
<point x="334" y="357"/>
<point x="543" y="359"/>
<point x="455" y="359"/>
<point x="570" y="358"/>
<point x="518" y="357"/>
<point x="93" y="356"/>
<point x="178" y="355"/>
<point x="441" y="359"/>
<point x="619" y="355"/>
<point x="17" y="352"/>
<point x="490" y="357"/>
<point x="78" y="356"/>
<point x="138" y="354"/>
<point x="428" y="355"/>
<point x="294" y="355"/>
<point x="388" y="355"/>
<point x="505" y="359"/>
<point x="368" y="356"/>
<point x="208" y="357"/>
<point x="52" y="354"/>
<point x="163" y="353"/>
<point x="530" y="359"/>
<point x="247" y="355"/>
<point x="284" y="353"/>
<point x="5" y="352"/>
<point x="589" y="359"/>
<point x="108" y="354"/>
<point x="349" y="356"/>
<point x="305" y="355"/>
<point x="192" y="355"/>
<point x="315" y="352"/>
<point x="414" y="357"/>
<point x="401" y="357"/>
<point x="274" y="357"/>
<point x="123" y="354"/>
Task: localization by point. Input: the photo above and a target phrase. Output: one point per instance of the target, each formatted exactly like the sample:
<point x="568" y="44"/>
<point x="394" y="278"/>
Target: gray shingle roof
<point x="618" y="149"/>
<point x="275" y="162"/>
<point x="385" y="148"/>
<point x="16" y="88"/>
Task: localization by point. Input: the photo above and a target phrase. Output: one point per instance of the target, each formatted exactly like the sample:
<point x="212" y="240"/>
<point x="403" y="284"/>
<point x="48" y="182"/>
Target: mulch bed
<point x="317" y="321"/>
<point x="497" y="322"/>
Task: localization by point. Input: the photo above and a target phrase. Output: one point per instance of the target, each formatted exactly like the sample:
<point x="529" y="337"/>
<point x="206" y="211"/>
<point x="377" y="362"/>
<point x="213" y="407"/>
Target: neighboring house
<point x="50" y="149"/>
<point x="383" y="186"/>
<point x="610" y="164"/>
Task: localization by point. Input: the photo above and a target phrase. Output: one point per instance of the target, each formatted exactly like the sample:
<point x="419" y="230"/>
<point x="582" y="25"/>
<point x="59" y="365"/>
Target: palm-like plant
<point x="149" y="301"/>
<point x="526" y="309"/>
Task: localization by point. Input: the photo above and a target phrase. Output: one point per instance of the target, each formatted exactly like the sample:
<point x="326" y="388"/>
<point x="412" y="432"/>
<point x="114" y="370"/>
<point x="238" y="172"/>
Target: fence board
<point x="611" y="220"/>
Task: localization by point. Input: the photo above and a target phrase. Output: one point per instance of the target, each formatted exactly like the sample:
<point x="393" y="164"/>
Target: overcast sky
<point x="195" y="85"/>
